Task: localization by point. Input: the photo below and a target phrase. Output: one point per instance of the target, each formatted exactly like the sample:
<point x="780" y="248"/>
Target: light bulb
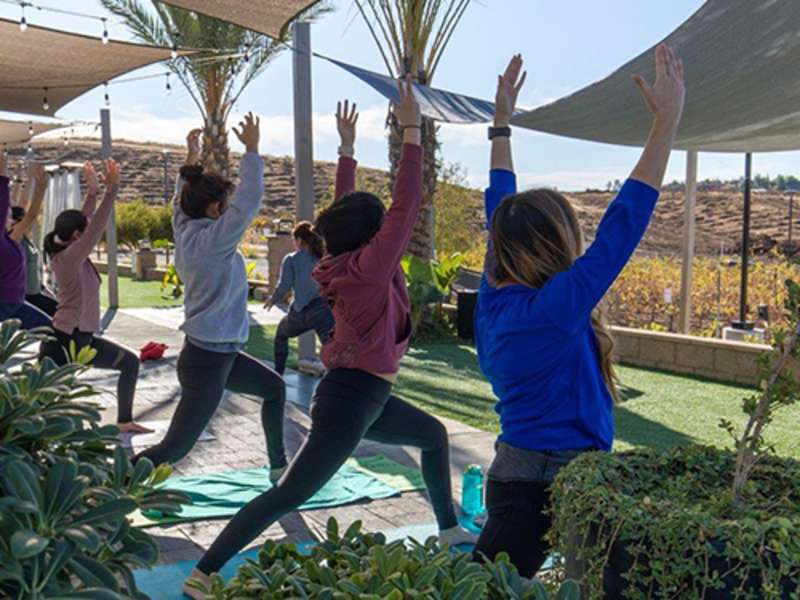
<point x="105" y="33"/>
<point x="23" y="24"/>
<point x="46" y="105"/>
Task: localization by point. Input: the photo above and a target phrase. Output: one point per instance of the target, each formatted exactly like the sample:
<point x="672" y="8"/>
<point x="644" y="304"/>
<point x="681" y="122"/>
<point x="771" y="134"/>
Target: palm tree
<point x="412" y="36"/>
<point x="214" y="78"/>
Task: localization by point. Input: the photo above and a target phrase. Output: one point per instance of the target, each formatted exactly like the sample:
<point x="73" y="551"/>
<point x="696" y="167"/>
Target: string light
<point x="169" y="85"/>
<point x="105" y="31"/>
<point x="23" y="22"/>
<point x="175" y="45"/>
<point x="45" y="103"/>
<point x="107" y="97"/>
<point x="30" y="128"/>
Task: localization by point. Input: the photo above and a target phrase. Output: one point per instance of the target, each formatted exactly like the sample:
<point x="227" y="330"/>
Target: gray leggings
<point x="348" y="406"/>
<point x="204" y="376"/>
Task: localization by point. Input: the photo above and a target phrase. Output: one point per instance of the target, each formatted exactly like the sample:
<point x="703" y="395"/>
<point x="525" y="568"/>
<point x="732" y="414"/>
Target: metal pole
<point x="166" y="179"/>
<point x="303" y="147"/>
<point x="690" y="202"/>
<point x="111" y="228"/>
<point x="748" y="170"/>
<point x="791" y="210"/>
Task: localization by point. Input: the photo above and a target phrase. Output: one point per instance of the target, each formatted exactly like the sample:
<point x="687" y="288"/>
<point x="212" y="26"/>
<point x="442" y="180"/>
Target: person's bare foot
<point x="133" y="427"/>
<point x="192" y="592"/>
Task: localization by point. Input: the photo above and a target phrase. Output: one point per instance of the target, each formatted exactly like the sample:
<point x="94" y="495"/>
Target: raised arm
<point x="381" y="256"/>
<point x="38" y="179"/>
<point x="90" y="202"/>
<point x="574" y="293"/>
<point x="346" y="120"/>
<point x="502" y="181"/>
<point x="193" y="152"/>
<point x="81" y="248"/>
<point x="226" y="233"/>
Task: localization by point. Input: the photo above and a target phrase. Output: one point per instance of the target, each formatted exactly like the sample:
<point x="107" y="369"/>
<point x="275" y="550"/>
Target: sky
<point x="566" y="45"/>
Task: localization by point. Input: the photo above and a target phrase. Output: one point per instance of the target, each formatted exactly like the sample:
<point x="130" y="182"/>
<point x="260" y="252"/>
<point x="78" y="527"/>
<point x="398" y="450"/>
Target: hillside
<point x="718" y="217"/>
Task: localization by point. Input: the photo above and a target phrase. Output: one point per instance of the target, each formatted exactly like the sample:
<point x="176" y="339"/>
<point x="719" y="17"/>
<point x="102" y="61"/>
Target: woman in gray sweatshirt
<point x="210" y="217"/>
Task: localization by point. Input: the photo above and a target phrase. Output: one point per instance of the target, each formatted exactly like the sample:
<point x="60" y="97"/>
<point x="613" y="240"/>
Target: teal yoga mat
<point x="220" y="495"/>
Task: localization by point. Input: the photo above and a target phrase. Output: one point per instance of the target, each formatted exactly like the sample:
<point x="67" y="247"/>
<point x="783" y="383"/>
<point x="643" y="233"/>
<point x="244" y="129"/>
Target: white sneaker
<point x="311" y="367"/>
<point x="456" y="536"/>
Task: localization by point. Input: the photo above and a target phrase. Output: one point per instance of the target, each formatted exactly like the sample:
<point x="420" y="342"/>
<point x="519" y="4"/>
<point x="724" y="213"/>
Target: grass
<point x="138" y="294"/>
<point x="660" y="409"/>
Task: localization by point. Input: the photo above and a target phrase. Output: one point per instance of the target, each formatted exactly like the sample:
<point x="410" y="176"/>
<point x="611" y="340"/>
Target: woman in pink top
<point x="77" y="318"/>
<point x="360" y="277"/>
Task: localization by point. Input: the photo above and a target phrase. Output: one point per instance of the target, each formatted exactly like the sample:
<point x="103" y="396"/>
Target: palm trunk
<point x="422" y="242"/>
<point x="216" y="153"/>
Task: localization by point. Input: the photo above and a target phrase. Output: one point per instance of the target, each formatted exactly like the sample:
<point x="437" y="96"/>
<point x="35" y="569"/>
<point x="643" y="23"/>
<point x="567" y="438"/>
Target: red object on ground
<point x="152" y="351"/>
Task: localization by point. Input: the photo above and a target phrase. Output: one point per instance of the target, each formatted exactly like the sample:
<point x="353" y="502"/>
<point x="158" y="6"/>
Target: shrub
<point x="359" y="565"/>
<point x="429" y="282"/>
<point x="138" y="220"/>
<point x="66" y="486"/>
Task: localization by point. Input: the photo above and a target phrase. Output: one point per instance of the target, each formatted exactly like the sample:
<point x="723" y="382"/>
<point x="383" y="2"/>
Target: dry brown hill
<point x="718" y="218"/>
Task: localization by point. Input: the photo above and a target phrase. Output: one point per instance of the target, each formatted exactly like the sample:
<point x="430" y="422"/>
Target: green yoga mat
<point x="220" y="495"/>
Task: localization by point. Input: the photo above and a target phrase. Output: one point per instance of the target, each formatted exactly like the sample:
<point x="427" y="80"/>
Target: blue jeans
<point x="30" y="316"/>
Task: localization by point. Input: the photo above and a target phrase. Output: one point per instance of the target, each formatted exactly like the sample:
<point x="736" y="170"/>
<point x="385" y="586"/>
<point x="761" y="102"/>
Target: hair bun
<point x="190" y="172"/>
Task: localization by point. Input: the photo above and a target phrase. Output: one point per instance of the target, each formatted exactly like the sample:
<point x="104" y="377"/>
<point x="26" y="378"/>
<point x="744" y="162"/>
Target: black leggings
<point x="348" y="406"/>
<point x="44" y="303"/>
<point x="204" y="376"/>
<point x="317" y="316"/>
<point x="518" y="520"/>
<point x="109" y="356"/>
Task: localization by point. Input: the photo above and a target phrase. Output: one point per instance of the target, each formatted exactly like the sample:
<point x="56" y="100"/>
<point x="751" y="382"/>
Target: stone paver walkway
<point x="238" y="440"/>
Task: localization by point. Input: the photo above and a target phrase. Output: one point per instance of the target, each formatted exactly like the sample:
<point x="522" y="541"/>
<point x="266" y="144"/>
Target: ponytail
<point x="305" y="232"/>
<point x="67" y="223"/>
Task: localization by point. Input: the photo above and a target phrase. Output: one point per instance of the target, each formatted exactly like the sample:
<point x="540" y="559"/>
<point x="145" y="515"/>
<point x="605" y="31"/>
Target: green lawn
<point x="660" y="409"/>
<point x="139" y="294"/>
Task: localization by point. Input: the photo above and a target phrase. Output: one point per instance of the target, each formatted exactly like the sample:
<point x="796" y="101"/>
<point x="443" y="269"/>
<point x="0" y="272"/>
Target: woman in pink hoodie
<point x="77" y="318"/>
<point x="361" y="278"/>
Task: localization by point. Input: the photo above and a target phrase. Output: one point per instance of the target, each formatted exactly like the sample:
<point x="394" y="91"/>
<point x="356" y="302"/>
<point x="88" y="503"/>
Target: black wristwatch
<point x="499" y="132"/>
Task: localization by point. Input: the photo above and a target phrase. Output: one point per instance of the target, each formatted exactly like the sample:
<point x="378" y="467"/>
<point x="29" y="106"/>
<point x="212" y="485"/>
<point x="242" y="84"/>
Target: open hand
<point x="193" y="141"/>
<point x="508" y="86"/>
<point x="666" y="97"/>
<point x="346" y="120"/>
<point x="111" y="173"/>
<point x="90" y="176"/>
<point x="406" y="110"/>
<point x="249" y="132"/>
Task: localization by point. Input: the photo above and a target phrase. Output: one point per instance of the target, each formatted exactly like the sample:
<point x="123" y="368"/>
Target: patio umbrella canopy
<point x="743" y="86"/>
<point x="264" y="16"/>
<point x="19" y="132"/>
<point x="68" y="65"/>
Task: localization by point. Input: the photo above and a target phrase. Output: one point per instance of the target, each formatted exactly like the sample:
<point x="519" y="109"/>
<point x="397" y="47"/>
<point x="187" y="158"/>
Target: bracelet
<point x="347" y="151"/>
<point x="495" y="132"/>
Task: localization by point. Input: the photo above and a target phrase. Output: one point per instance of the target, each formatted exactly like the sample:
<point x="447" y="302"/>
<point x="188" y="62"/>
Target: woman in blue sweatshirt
<point x="540" y="340"/>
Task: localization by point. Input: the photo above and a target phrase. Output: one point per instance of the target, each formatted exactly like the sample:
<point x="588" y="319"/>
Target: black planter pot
<point x="621" y="561"/>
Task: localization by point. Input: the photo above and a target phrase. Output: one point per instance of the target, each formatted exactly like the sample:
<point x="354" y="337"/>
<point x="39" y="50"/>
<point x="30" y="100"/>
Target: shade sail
<point x="19" y="132"/>
<point x="743" y="86"/>
<point x="67" y="64"/>
<point x="437" y="104"/>
<point x="265" y="16"/>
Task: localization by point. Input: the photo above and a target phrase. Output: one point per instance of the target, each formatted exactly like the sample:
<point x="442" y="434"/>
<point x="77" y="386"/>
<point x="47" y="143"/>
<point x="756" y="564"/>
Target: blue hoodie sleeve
<point x="569" y="298"/>
<point x="502" y="184"/>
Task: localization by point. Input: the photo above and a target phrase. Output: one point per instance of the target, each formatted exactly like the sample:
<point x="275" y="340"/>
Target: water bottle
<point x="472" y="491"/>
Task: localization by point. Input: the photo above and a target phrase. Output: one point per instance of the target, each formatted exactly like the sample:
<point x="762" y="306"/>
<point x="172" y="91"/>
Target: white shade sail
<point x="743" y="85"/>
<point x="19" y="132"/>
<point x="269" y="17"/>
<point x="42" y="63"/>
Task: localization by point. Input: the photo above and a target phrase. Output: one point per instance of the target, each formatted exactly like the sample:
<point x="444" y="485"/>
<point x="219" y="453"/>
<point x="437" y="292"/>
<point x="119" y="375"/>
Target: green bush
<point x="66" y="485"/>
<point x="428" y="283"/>
<point x="138" y="220"/>
<point x="362" y="566"/>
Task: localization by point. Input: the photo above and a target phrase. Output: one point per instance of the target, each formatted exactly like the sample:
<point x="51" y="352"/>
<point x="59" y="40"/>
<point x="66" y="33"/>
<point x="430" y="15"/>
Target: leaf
<point x="569" y="590"/>
<point x="21" y="481"/>
<point x="90" y="594"/>
<point x="26" y="543"/>
<point x="110" y="511"/>
<point x="92" y="573"/>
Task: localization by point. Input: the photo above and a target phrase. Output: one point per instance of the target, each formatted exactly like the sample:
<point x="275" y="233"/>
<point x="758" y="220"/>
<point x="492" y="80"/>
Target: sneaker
<point x="457" y="536"/>
<point x="311" y="367"/>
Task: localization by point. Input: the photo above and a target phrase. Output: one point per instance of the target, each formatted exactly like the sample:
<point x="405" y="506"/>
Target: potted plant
<point x="362" y="566"/>
<point x="692" y="522"/>
<point x="66" y="485"/>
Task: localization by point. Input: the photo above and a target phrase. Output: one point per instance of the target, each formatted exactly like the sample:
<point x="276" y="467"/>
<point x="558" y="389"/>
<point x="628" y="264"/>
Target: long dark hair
<point x="67" y="223"/>
<point x="350" y="222"/>
<point x="536" y="235"/>
<point x="304" y="231"/>
<point x="201" y="189"/>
